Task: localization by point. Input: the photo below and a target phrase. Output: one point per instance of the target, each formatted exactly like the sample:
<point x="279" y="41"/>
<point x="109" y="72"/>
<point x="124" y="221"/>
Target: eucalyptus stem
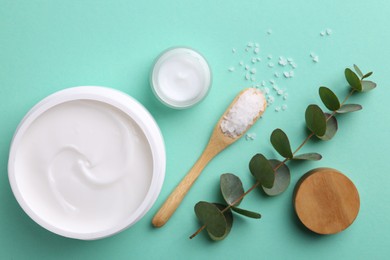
<point x="257" y="183"/>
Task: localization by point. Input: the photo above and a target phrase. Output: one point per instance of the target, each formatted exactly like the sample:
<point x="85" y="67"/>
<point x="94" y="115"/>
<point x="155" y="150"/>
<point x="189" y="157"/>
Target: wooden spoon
<point x="218" y="142"/>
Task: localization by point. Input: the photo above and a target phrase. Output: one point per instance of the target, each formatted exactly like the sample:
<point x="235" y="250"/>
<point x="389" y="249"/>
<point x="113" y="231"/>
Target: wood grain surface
<point x="326" y="201"/>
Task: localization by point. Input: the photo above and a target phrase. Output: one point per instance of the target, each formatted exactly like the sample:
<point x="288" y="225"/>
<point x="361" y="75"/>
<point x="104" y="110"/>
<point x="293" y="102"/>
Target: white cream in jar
<point x="180" y="78"/>
<point x="84" y="168"/>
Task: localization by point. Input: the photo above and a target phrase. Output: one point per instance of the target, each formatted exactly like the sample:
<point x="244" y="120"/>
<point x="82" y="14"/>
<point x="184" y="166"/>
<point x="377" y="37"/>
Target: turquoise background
<point x="46" y="46"/>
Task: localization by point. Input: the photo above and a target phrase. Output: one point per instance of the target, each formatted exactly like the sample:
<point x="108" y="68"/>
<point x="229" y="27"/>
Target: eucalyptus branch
<point x="320" y="124"/>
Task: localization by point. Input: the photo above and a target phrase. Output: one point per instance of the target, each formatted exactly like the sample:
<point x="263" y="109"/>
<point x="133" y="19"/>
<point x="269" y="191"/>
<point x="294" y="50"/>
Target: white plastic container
<point x="180" y="78"/>
<point x="87" y="162"/>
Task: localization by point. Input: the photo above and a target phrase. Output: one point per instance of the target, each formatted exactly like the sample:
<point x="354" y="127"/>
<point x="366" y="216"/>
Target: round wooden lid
<point x="326" y="201"/>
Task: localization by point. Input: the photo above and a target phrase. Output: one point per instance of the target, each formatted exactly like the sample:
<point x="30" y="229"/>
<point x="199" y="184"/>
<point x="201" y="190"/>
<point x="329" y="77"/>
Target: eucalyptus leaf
<point x="367" y="75"/>
<point x="231" y="188"/>
<point x="280" y="142"/>
<point x="308" y="157"/>
<point x="262" y="170"/>
<point x="247" y="213"/>
<point x="353" y="79"/>
<point x="368" y="85"/>
<point x="315" y="120"/>
<point x="358" y="71"/>
<point x="329" y="98"/>
<point x="331" y="128"/>
<point x="217" y="224"/>
<point x="347" y="108"/>
<point x="282" y="178"/>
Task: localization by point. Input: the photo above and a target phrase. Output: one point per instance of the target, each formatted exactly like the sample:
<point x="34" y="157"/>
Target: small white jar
<point x="180" y="78"/>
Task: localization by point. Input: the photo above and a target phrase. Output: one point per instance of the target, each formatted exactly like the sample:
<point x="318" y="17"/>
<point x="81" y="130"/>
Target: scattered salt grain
<point x="241" y="63"/>
<point x="272" y="81"/>
<point x="266" y="90"/>
<point x="231" y="69"/>
<point x="258" y="59"/>
<point x="270" y="64"/>
<point x="234" y="50"/>
<point x="253" y="78"/>
<point x="263" y="83"/>
<point x="254" y="60"/>
<point x="242" y="114"/>
<point x="247" y="67"/>
<point x="328" y="31"/>
<point x="250" y="44"/>
<point x="284" y="107"/>
<point x="277" y="109"/>
<point x="288" y="74"/>
<point x="269" y="31"/>
<point x="247" y="76"/>
<point x="322" y="33"/>
<point x="256" y="50"/>
<point x="246" y="49"/>
<point x="253" y="71"/>
<point x="250" y="136"/>
<point x="285" y="96"/>
<point x="276" y="74"/>
<point x="316" y="59"/>
<point x="282" y="61"/>
<point x="280" y="92"/>
<point x="269" y="57"/>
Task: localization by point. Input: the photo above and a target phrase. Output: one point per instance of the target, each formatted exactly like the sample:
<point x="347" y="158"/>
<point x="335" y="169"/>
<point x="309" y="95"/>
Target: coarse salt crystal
<point x="243" y="113"/>
<point x="250" y="136"/>
<point x="282" y="61"/>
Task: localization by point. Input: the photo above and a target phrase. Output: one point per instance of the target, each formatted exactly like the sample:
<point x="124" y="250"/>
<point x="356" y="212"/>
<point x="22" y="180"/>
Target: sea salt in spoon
<point x="242" y="113"/>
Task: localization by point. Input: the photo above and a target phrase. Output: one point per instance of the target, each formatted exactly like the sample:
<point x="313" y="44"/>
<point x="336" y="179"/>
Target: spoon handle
<point x="177" y="195"/>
